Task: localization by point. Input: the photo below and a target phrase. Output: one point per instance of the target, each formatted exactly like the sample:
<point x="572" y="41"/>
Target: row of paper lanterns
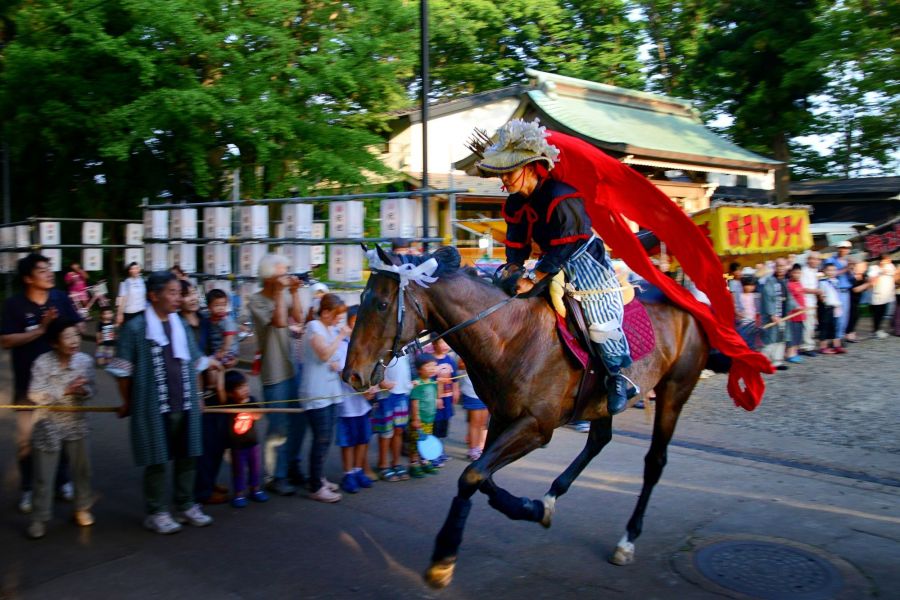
<point x="398" y="219"/>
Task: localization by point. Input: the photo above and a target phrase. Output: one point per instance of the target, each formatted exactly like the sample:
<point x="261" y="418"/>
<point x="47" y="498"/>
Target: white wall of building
<point x="446" y="137"/>
<point x="756" y="181"/>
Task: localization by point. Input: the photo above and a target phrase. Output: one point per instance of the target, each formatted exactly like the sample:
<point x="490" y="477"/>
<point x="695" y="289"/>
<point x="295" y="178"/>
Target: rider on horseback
<point x="552" y="214"/>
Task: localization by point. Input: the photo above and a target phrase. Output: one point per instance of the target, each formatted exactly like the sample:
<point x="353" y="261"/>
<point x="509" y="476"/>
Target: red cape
<point x="611" y="190"/>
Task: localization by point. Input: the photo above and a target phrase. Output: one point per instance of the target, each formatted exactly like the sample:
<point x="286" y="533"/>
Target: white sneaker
<point x="26" y="503"/>
<point x="67" y="491"/>
<point x="330" y="485"/>
<point x="323" y="494"/>
<point x="195" y="516"/>
<point x="881" y="334"/>
<point x="36" y="530"/>
<point x="161" y="522"/>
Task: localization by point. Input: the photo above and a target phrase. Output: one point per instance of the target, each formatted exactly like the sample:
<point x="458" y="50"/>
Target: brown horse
<point x="522" y="373"/>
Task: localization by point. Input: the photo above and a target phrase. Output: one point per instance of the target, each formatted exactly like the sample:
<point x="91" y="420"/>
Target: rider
<point x="552" y="214"/>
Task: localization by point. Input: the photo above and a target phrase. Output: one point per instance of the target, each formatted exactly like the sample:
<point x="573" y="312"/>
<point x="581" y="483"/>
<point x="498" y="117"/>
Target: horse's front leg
<point x="518" y="439"/>
<point x="599" y="436"/>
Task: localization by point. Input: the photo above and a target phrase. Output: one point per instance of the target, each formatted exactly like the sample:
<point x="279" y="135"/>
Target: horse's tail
<point x="718" y="362"/>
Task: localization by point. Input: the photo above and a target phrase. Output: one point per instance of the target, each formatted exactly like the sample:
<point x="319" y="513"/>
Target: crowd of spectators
<point x="171" y="359"/>
<point x="801" y="307"/>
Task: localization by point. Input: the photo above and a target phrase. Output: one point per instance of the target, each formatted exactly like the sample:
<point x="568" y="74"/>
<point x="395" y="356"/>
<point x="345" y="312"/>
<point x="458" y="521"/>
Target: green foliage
<point x="859" y="111"/>
<point x="674" y="29"/>
<point x="484" y="44"/>
<point x="104" y="104"/>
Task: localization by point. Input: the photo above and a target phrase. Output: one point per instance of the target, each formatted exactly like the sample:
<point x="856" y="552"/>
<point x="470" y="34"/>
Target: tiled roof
<point x="635" y="123"/>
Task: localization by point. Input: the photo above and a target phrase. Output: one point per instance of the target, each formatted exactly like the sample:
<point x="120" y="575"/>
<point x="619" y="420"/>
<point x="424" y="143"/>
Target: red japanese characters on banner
<point x="762" y="232"/>
<point x="876" y="243"/>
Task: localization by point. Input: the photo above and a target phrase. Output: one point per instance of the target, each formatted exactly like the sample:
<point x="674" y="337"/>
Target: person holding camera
<point x="271" y="310"/>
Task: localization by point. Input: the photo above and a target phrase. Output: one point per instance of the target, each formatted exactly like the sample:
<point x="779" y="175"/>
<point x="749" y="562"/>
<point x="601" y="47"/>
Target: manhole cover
<point x="768" y="570"/>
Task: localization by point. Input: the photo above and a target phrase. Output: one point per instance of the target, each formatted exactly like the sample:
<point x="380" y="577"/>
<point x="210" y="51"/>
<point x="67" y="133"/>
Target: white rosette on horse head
<point x="420" y="274"/>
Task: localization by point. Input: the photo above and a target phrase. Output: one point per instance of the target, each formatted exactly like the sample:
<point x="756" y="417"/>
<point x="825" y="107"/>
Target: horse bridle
<point x="399" y="349"/>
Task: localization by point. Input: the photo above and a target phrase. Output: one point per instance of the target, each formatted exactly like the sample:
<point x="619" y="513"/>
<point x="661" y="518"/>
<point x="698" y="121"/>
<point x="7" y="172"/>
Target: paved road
<point x="815" y="465"/>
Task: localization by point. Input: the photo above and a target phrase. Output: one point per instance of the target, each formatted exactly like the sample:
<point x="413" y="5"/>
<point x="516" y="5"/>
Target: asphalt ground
<point x="815" y="467"/>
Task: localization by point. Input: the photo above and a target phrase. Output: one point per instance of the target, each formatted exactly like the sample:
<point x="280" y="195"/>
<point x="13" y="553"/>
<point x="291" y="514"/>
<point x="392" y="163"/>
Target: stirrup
<point x="632" y="391"/>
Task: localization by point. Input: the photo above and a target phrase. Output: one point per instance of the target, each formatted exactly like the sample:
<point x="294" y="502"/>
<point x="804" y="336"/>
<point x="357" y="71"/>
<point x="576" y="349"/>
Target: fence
<point x="222" y="245"/>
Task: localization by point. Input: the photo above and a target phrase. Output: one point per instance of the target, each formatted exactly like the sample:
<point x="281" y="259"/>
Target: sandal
<point x="388" y="474"/>
<point x="401" y="472"/>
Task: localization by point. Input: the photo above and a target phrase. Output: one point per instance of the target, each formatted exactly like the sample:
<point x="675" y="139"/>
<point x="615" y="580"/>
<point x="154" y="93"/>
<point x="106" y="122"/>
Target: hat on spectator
<point x="845" y="244"/>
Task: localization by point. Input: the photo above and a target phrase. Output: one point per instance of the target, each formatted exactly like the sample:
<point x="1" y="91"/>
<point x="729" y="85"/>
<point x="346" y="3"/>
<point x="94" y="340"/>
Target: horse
<point x="521" y="371"/>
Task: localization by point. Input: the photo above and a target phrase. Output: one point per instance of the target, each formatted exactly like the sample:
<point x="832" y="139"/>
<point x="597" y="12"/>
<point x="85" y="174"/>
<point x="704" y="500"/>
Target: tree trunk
<point x="781" y="152"/>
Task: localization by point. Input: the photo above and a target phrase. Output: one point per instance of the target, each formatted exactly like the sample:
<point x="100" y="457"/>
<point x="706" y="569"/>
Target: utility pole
<point x="7" y="202"/>
<point x="426" y="91"/>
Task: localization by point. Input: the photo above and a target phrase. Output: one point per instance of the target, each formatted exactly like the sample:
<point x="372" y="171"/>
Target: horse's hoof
<point x="624" y="554"/>
<point x="440" y="574"/>
<point x="549" y="507"/>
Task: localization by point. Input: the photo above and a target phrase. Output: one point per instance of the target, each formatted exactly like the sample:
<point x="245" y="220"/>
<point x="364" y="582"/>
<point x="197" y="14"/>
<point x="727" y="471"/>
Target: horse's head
<point x="380" y="328"/>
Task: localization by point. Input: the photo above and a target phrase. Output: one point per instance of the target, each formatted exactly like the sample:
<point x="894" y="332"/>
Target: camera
<point x="304" y="277"/>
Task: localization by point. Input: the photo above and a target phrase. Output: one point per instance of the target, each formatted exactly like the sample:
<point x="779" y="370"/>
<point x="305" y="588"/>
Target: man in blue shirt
<point x="26" y="317"/>
<point x="844" y="284"/>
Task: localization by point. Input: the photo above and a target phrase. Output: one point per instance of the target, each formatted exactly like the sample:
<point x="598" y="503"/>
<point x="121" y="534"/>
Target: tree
<point x="673" y="29"/>
<point x="758" y="62"/>
<point x="480" y="45"/>
<point x="106" y="103"/>
<point x="858" y="112"/>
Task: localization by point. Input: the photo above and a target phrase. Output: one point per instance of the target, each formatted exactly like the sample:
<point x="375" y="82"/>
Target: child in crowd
<point x="829" y="312"/>
<point x="798" y="316"/>
<point x="61" y="377"/>
<point x="390" y="415"/>
<point x="222" y="340"/>
<point x="245" y="452"/>
<point x="422" y="411"/>
<point x="448" y="393"/>
<point x="106" y="337"/>
<point x="354" y="428"/>
<point x="477" y="415"/>
<point x="748" y="323"/>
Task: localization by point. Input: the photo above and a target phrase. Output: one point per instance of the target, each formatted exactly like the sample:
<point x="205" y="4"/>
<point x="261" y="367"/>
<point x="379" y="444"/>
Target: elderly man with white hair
<point x="271" y="310"/>
<point x="809" y="279"/>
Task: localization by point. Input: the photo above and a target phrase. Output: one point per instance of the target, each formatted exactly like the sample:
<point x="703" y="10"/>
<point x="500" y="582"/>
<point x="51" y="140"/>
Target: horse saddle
<point x="574" y="334"/>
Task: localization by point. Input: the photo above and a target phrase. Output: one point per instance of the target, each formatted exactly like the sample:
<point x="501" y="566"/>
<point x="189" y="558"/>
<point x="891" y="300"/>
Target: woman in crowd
<point x="132" y="298"/>
<point x="76" y="282"/>
<point x="321" y="379"/>
<point x="856" y="275"/>
<point x="62" y="377"/>
<point x="881" y="278"/>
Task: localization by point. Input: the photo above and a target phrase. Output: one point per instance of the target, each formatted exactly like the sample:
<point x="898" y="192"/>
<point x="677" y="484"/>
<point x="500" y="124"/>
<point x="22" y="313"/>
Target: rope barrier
<point x="784" y="318"/>
<point x="218" y="408"/>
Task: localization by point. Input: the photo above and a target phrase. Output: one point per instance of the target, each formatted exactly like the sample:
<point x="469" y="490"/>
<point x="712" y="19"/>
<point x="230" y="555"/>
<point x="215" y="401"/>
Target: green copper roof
<point x="646" y="125"/>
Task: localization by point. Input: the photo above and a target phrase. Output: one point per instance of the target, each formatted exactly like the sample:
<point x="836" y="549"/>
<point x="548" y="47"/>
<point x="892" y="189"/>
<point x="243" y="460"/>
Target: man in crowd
<point x="775" y="304"/>
<point x="270" y="310"/>
<point x="157" y="362"/>
<point x="809" y="279"/>
<point x="26" y="317"/>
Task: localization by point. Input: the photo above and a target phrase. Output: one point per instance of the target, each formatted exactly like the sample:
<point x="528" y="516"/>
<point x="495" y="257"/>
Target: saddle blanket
<point x="635" y="324"/>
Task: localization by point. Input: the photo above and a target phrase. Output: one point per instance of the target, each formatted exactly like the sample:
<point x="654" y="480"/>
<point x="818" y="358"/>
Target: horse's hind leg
<point x="518" y="439"/>
<point x="668" y="405"/>
<point x="599" y="436"/>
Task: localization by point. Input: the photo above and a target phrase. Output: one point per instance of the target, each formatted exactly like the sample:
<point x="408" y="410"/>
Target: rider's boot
<point x="617" y="392"/>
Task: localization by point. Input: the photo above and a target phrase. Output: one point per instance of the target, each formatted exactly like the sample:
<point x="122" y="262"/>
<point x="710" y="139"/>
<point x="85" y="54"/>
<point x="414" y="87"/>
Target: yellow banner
<point x="737" y="230"/>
